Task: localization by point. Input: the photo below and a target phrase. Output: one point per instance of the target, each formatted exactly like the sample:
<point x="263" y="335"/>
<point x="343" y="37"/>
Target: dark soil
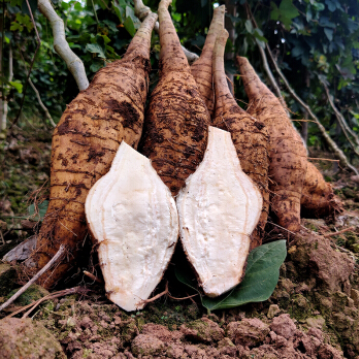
<point x="313" y="312"/>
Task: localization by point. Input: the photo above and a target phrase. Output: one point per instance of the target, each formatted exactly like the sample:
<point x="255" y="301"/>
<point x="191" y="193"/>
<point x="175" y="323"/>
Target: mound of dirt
<point x="20" y="338"/>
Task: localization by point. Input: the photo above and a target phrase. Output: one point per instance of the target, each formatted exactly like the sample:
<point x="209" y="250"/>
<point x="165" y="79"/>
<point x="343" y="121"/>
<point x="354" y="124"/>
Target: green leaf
<point x="17" y="85"/>
<point x="248" y="25"/>
<point x="258" y="34"/>
<point x="318" y="6"/>
<point x="129" y="26"/>
<point x="285" y="13"/>
<point x="16" y="3"/>
<point x="274" y="14"/>
<point x="120" y="11"/>
<point x="16" y="26"/>
<point x="42" y="208"/>
<point x="96" y="66"/>
<point x="329" y="33"/>
<point x="96" y="49"/>
<point x="260" y="280"/>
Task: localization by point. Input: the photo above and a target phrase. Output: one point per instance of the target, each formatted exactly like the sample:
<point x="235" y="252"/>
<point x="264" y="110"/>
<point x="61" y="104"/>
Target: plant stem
<point x="94" y="10"/>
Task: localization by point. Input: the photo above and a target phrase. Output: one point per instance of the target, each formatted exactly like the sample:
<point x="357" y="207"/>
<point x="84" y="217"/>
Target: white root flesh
<point x="61" y="46"/>
<point x="133" y="216"/>
<point x="218" y="210"/>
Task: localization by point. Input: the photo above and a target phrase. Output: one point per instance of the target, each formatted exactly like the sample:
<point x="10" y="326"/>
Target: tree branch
<point x="31" y="64"/>
<point x="42" y="104"/>
<point x="34" y="278"/>
<point x="61" y="46"/>
<point x="343" y="124"/>
<point x="141" y="11"/>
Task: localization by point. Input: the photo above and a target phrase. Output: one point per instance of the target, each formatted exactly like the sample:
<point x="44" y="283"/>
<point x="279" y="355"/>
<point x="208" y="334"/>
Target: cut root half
<point x="218" y="210"/>
<point x="133" y="216"/>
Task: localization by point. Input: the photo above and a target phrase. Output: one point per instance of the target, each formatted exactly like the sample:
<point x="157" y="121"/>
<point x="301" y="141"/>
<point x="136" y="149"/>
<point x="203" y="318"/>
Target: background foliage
<point x="311" y="40"/>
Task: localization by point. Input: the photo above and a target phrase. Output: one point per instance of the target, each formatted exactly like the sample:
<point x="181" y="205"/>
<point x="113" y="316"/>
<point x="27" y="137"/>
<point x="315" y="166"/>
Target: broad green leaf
<point x="274" y="14"/>
<point x="318" y="6"/>
<point x="129" y="26"/>
<point x="285" y="13"/>
<point x="328" y="33"/>
<point x="111" y="25"/>
<point x="17" y="85"/>
<point x="130" y="13"/>
<point x="96" y="49"/>
<point x="96" y="66"/>
<point x="42" y="208"/>
<point x="16" y="2"/>
<point x="260" y="280"/>
<point x="259" y="35"/>
<point x="249" y="26"/>
<point x="120" y="11"/>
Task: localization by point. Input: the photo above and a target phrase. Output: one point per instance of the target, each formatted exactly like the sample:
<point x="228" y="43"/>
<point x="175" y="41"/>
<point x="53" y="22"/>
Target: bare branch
<point x="61" y="46"/>
<point x="42" y="104"/>
<point x="31" y="64"/>
<point x="343" y="124"/>
<point x="59" y="253"/>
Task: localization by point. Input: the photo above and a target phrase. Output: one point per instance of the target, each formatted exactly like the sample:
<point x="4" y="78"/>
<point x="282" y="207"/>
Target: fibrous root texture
<point x="287" y="154"/>
<point x="84" y="144"/>
<point x="218" y="210"/>
<point x="202" y="69"/>
<point x="133" y="217"/>
<point x="177" y="118"/>
<point x="250" y="136"/>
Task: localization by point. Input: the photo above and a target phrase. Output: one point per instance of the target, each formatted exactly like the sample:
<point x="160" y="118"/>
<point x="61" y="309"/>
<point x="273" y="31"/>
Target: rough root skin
<point x="177" y="118"/>
<point x="250" y="137"/>
<point x="202" y="69"/>
<point x="318" y="199"/>
<point x="84" y="144"/>
<point x="288" y="156"/>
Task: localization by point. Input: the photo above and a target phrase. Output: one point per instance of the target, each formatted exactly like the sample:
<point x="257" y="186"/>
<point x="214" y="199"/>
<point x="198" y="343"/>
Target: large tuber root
<point x="250" y="137"/>
<point x="84" y="144"/>
<point x="287" y="154"/>
<point x="177" y="118"/>
<point x="202" y="69"/>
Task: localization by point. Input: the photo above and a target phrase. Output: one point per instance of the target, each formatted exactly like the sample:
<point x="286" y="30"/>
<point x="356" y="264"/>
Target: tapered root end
<point x="165" y="4"/>
<point x="141" y="10"/>
<point x="141" y="43"/>
<point x="287" y="213"/>
<point x="221" y="43"/>
<point x="217" y="22"/>
<point x="253" y="85"/>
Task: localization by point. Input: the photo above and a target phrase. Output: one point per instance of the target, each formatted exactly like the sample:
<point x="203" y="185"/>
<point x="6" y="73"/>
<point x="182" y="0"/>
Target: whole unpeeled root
<point x="218" y="210"/>
<point x="177" y="118"/>
<point x="84" y="144"/>
<point x="250" y="136"/>
<point x="287" y="154"/>
<point x="202" y="69"/>
<point x="133" y="217"/>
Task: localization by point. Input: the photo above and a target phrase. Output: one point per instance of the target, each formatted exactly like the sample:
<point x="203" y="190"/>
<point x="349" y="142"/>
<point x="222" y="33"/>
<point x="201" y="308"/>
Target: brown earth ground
<point x="313" y="312"/>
